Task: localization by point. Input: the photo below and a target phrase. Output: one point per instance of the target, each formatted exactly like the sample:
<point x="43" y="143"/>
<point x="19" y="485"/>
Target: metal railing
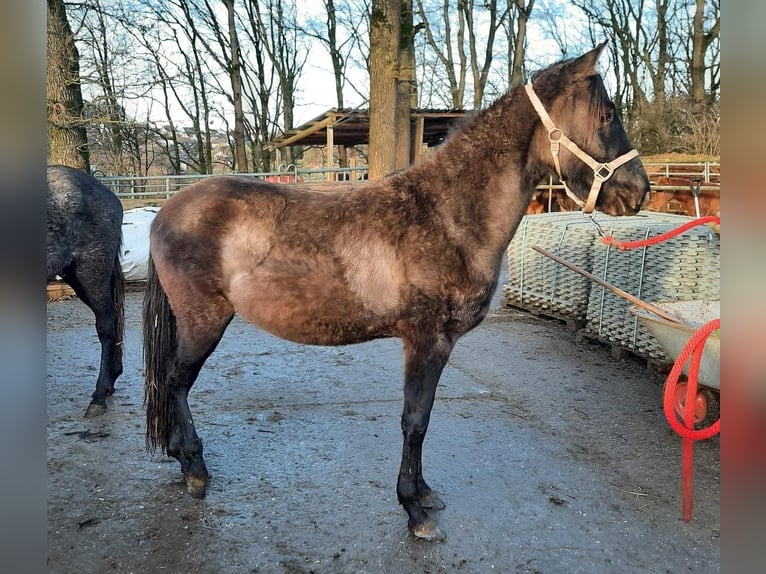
<point x="163" y="186"/>
<point x="707" y="171"/>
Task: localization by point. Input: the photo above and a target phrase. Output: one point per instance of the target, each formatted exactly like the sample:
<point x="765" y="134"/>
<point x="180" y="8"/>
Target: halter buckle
<point x="603" y="172"/>
<point x="555" y="134"/>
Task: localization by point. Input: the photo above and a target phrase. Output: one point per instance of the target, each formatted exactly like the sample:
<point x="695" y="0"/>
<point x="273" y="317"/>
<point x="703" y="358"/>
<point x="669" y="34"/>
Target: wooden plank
<point x="303" y="133"/>
<point x="58" y="291"/>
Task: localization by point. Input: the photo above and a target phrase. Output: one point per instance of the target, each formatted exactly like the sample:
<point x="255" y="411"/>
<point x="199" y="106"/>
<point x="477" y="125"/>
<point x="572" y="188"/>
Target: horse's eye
<point x="607" y="117"/>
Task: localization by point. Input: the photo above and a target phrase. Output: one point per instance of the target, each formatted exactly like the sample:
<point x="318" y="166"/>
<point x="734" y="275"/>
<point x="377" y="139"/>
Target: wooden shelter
<point x="351" y="127"/>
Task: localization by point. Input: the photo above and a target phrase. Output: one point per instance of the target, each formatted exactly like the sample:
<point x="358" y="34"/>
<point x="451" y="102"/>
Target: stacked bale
<point x="539" y="284"/>
<point x="684" y="268"/>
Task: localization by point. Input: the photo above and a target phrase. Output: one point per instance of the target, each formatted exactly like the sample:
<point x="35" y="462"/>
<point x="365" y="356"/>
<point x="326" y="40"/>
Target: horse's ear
<point x="586" y="64"/>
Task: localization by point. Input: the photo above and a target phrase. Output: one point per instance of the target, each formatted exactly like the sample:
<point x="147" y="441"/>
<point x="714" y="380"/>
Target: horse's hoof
<point x="196" y="486"/>
<point x="432" y="502"/>
<point x="94" y="411"/>
<point x="428" y="531"/>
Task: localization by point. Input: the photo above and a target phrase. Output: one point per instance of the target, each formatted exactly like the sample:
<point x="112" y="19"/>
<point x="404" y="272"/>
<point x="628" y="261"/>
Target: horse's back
<point x="71" y="190"/>
<point x="231" y="195"/>
<point x="216" y="210"/>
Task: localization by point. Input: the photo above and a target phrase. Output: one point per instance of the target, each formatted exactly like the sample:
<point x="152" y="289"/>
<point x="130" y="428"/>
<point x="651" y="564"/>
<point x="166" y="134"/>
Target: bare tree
<point x="280" y="34"/>
<point x="173" y="27"/>
<point x="260" y="87"/>
<point x="385" y="30"/>
<point x="480" y="70"/>
<point x="703" y="40"/>
<point x="340" y="34"/>
<point x="236" y="88"/>
<point x="660" y="69"/>
<point x="440" y="39"/>
<point x="471" y="49"/>
<point x="67" y="138"/>
<point x="105" y="64"/>
<point x="228" y="55"/>
<point x="520" y="11"/>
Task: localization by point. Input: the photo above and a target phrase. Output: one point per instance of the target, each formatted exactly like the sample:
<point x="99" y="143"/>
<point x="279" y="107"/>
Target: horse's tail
<point x="117" y="281"/>
<point x="160" y="347"/>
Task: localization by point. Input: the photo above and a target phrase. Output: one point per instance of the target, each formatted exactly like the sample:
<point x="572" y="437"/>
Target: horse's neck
<point x="482" y="179"/>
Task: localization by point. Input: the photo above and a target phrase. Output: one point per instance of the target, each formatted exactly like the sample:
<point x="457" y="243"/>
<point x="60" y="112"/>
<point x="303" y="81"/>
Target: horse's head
<point x="581" y="137"/>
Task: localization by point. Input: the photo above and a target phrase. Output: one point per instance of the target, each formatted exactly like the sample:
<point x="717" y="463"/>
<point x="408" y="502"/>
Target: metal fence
<point x="163" y="186"/>
<point x="707" y="171"/>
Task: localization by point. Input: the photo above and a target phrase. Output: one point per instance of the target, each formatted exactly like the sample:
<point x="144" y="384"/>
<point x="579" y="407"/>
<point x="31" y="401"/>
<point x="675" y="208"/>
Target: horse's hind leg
<point x="95" y="291"/>
<point x="199" y="332"/>
<point x="424" y="363"/>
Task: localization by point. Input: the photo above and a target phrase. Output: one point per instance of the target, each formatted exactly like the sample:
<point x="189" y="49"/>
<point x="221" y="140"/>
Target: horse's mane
<point x="458" y="125"/>
<point x="599" y="99"/>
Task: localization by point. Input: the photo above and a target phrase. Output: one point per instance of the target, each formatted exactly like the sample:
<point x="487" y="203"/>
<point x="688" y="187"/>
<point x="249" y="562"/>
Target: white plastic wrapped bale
<point x="135" y="242"/>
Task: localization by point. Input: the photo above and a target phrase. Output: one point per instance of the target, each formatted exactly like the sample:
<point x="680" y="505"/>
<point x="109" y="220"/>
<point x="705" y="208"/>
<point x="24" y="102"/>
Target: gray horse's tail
<point x="117" y="282"/>
<point x="160" y="348"/>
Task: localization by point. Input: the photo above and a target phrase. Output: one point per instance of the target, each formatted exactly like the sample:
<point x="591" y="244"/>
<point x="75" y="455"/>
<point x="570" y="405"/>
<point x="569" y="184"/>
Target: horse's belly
<point x="309" y="312"/>
<point x="320" y="329"/>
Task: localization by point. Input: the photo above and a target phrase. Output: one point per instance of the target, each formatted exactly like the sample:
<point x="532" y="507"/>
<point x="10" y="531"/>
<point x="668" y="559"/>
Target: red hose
<point x="693" y="349"/>
<point x="625" y="245"/>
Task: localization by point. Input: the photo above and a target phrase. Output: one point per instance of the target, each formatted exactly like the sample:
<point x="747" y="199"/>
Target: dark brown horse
<point x="415" y="255"/>
<point x="84" y="237"/>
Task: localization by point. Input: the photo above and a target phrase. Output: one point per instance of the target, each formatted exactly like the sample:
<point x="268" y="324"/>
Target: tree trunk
<point x="663" y="57"/>
<point x="235" y="76"/>
<point x="406" y="92"/>
<point x="701" y="40"/>
<point x="520" y="40"/>
<point x="67" y="139"/>
<point x="385" y="29"/>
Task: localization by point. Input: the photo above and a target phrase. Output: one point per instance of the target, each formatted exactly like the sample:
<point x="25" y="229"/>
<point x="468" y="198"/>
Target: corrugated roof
<point x="351" y="127"/>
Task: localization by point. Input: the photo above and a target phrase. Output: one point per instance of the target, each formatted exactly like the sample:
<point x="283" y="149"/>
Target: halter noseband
<point x="601" y="171"/>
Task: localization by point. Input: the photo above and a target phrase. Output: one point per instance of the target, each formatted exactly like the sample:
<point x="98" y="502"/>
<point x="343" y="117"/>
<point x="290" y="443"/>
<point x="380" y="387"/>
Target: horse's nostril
<point x="645" y="198"/>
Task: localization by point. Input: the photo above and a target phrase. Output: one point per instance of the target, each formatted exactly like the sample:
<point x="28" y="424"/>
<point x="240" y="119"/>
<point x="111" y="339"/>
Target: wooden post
<point x="352" y="163"/>
<point x="416" y="146"/>
<point x="330" y="151"/>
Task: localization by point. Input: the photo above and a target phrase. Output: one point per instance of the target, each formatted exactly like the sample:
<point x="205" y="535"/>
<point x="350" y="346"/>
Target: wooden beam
<point x="303" y="133"/>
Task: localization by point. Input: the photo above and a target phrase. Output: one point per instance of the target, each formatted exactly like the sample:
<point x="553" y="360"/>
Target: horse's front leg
<point x="423" y="364"/>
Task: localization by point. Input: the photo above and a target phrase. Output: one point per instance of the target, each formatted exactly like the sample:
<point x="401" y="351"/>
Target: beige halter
<point x="601" y="171"/>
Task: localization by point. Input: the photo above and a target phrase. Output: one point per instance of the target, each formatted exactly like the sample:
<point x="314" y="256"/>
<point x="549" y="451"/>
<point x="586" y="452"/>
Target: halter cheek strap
<point x="601" y="171"/>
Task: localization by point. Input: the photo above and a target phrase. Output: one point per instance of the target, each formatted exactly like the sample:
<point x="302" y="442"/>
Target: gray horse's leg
<point x="94" y="290"/>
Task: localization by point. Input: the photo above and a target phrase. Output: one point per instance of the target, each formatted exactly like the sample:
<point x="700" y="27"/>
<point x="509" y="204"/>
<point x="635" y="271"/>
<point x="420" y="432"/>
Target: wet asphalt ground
<point x="551" y="457"/>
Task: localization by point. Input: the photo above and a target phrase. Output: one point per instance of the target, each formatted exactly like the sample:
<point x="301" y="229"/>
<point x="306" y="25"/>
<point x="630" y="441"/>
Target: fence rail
<point x="709" y="172"/>
<point x="163" y="186"/>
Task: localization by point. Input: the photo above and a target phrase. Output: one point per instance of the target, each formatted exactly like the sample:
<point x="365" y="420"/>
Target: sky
<point x="315" y="89"/>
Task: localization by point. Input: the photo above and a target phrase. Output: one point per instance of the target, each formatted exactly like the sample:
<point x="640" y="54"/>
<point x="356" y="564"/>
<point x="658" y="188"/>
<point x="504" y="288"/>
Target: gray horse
<point x="415" y="255"/>
<point x="84" y="237"/>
